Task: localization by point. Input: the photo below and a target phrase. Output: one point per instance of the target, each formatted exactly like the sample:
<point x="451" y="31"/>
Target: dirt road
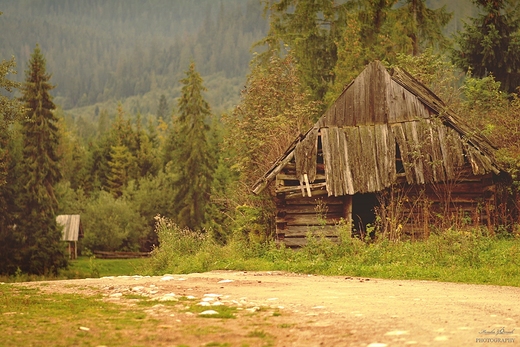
<point x="303" y="310"/>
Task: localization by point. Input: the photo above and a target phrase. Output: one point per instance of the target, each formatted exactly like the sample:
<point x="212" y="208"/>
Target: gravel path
<point x="333" y="311"/>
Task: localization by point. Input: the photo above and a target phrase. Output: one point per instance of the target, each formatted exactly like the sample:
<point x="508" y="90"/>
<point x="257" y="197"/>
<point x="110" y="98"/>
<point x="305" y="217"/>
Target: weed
<point x="223" y="311"/>
<point x="451" y="255"/>
<point x="262" y="335"/>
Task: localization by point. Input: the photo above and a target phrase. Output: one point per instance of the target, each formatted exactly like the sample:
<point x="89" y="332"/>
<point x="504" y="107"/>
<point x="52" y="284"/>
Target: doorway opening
<point x="363" y="214"/>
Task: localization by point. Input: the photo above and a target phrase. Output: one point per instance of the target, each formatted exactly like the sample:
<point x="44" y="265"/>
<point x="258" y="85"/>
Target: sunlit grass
<point x="451" y="256"/>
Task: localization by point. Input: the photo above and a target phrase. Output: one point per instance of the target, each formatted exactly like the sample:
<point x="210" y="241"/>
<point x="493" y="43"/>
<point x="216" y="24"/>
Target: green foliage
<point x="120" y="164"/>
<point x="310" y="29"/>
<point x="10" y="110"/>
<point x="435" y="71"/>
<point x="163" y="110"/>
<point x="450" y="255"/>
<point x="116" y="50"/>
<point x="490" y="44"/>
<point x="275" y="108"/>
<point x="181" y="248"/>
<point x="378" y="30"/>
<point x="194" y="160"/>
<point x="112" y="225"/>
<point x="422" y="25"/>
<point x="483" y="95"/>
<point x="39" y="238"/>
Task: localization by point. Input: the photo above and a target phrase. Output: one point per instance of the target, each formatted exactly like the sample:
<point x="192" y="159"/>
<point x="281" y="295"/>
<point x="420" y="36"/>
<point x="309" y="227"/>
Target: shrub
<point x="112" y="225"/>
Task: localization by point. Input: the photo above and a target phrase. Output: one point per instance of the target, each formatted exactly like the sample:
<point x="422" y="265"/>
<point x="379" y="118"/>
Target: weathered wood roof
<point x="72" y="229"/>
<point x="379" y="113"/>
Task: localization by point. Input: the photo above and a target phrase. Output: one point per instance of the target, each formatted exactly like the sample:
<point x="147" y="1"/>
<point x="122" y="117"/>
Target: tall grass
<point x="454" y="256"/>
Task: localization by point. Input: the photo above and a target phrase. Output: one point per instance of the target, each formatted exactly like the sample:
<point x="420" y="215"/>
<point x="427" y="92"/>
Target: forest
<point x="130" y="112"/>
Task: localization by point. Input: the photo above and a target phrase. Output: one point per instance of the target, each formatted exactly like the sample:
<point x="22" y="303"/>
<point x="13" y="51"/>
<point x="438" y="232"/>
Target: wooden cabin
<point x="388" y="148"/>
<point x="72" y="232"/>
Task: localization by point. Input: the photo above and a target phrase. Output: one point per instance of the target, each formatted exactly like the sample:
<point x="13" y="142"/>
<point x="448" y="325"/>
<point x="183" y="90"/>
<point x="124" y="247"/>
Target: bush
<point x="112" y="225"/>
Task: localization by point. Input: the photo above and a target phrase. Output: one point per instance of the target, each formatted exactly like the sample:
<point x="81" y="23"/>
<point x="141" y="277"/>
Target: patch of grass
<point x="450" y="255"/>
<point x="204" y="330"/>
<point x="260" y="334"/>
<point x="218" y="344"/>
<point x="85" y="267"/>
<point x="29" y="317"/>
<point x="223" y="311"/>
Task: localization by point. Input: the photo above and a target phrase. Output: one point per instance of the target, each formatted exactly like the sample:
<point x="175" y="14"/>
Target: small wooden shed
<point x="72" y="232"/>
<point x="389" y="147"/>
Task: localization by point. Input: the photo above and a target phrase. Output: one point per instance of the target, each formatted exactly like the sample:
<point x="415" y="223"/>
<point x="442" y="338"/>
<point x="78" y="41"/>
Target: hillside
<point x="130" y="51"/>
<point x="111" y="50"/>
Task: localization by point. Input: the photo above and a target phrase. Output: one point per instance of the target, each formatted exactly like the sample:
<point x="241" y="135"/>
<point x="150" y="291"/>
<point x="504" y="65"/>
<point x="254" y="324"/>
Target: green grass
<point x="89" y="267"/>
<point x="31" y="318"/>
<point x="451" y="256"/>
<point x="94" y="267"/>
<point x="225" y="312"/>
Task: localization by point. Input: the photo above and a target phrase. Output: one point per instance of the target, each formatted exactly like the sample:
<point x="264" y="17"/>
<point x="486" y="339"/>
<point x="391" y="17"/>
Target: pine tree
<point x="120" y="164"/>
<point x="310" y="29"/>
<point x="194" y="165"/>
<point x="10" y="111"/>
<point x="490" y="44"/>
<point x="42" y="250"/>
<point x="162" y="110"/>
<point x="423" y="25"/>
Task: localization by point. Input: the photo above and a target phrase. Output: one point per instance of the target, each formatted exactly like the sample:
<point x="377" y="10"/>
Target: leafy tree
<point x="490" y="44"/>
<point x="275" y="108"/>
<point x="42" y="249"/>
<point x="112" y="224"/>
<point x="195" y="165"/>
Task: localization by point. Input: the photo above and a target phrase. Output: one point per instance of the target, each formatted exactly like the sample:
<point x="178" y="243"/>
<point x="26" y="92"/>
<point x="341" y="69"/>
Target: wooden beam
<point x="264" y="181"/>
<point x="306" y="180"/>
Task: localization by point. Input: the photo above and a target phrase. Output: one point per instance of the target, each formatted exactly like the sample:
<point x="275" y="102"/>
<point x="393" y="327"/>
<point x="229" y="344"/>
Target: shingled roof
<point x="380" y="116"/>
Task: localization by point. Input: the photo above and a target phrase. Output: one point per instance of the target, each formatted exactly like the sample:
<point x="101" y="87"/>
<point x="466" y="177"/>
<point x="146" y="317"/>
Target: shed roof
<point x="72" y="229"/>
<point x="379" y="113"/>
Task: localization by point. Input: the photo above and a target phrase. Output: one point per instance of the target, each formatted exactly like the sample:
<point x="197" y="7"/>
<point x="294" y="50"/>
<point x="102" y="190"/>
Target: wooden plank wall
<point x="465" y="203"/>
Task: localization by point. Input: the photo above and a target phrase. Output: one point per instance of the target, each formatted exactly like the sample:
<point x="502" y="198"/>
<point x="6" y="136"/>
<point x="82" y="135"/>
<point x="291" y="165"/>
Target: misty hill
<point x="102" y="52"/>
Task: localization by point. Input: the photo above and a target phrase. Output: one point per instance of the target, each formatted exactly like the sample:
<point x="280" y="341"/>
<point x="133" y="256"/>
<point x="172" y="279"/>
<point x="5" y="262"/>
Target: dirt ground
<point x="284" y="309"/>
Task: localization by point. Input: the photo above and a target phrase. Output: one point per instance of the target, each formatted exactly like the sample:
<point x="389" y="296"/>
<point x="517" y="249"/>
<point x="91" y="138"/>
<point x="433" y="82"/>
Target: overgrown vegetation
<point x="119" y="168"/>
<point x="469" y="256"/>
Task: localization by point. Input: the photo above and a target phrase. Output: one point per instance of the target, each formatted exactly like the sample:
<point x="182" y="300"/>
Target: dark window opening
<point x="320" y="151"/>
<point x="399" y="166"/>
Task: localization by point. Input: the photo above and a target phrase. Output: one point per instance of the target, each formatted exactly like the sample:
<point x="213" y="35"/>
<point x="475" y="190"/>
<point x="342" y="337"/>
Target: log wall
<point x="418" y="209"/>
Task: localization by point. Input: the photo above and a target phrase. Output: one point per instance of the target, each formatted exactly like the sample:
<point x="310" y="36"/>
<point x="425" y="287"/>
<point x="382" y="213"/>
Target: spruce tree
<point x="490" y="44"/>
<point x="10" y="111"/>
<point x="310" y="29"/>
<point x="42" y="249"/>
<point x="194" y="165"/>
<point x="162" y="109"/>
